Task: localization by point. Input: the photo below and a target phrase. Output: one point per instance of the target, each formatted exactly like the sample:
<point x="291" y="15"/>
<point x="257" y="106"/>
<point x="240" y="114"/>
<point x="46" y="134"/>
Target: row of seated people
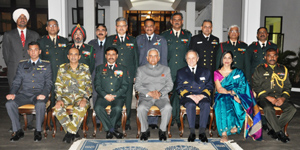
<point x="234" y="100"/>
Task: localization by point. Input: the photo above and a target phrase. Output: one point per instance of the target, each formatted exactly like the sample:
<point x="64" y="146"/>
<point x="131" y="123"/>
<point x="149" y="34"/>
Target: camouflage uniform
<point x="70" y="87"/>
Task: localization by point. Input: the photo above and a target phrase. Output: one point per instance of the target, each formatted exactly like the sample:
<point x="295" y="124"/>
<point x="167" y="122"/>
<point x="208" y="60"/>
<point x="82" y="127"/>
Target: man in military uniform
<point x="128" y="56"/>
<point x="31" y="85"/>
<point x="86" y="51"/>
<point x="111" y="83"/>
<point x="238" y="48"/>
<point x="178" y="41"/>
<point x="146" y="42"/>
<point x="256" y="51"/>
<point x="53" y="48"/>
<point x="272" y="86"/>
<point x="206" y="45"/>
<point x="73" y="86"/>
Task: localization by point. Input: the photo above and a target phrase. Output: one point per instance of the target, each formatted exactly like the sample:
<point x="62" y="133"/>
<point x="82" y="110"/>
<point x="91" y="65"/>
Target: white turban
<point x="17" y="13"/>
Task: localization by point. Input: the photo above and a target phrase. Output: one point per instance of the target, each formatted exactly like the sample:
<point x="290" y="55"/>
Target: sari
<point x="230" y="113"/>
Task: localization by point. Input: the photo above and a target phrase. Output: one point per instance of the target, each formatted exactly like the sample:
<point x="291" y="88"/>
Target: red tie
<point x="23" y="38"/>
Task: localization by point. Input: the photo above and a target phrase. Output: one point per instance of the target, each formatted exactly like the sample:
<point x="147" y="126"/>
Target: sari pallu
<point x="231" y="114"/>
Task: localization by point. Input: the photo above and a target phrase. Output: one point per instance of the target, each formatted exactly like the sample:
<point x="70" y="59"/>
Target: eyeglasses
<point x="52" y="25"/>
<point x="234" y="31"/>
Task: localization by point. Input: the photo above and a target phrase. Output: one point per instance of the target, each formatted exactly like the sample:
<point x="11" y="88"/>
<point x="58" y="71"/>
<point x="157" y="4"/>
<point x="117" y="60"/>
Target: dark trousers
<point x="275" y="123"/>
<point x="128" y="102"/>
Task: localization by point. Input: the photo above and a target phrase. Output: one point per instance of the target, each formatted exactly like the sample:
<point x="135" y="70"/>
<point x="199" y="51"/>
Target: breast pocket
<point x="169" y="41"/>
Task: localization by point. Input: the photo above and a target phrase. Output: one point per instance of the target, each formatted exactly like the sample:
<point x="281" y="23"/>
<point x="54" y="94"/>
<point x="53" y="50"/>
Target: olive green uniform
<point x="268" y="81"/>
<point x="127" y="56"/>
<point x="56" y="54"/>
<point x="177" y="48"/>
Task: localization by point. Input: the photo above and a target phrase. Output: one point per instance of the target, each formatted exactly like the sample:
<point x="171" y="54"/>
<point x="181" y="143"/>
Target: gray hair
<point x="121" y="19"/>
<point x="191" y="50"/>
<point x="52" y="20"/>
<point x="153" y="49"/>
<point x="232" y="26"/>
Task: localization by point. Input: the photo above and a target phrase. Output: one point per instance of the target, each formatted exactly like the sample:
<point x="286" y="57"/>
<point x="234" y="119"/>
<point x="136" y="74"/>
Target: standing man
<point x="111" y="83"/>
<point x="178" y="40"/>
<point x="31" y="85"/>
<point x="238" y="48"/>
<point x="154" y="82"/>
<point x="256" y="52"/>
<point x="86" y="51"/>
<point x="206" y="45"/>
<point x="272" y="86"/>
<point x="98" y="44"/>
<point x="15" y="46"/>
<point x="53" y="48"/>
<point x="194" y="84"/>
<point x="127" y="47"/>
<point x="73" y="86"/>
<point x="148" y="41"/>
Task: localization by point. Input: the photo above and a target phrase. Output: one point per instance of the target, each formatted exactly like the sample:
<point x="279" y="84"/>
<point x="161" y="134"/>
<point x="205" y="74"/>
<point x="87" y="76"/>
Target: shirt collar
<point x="113" y="65"/>
<point x="260" y="43"/>
<point x="51" y="37"/>
<point x="232" y="42"/>
<point x="124" y="36"/>
<point x="24" y="31"/>
<point x="151" y="36"/>
<point x="195" y="68"/>
<point x="34" y="61"/>
<point x="206" y="36"/>
<point x="102" y="42"/>
<point x="179" y="31"/>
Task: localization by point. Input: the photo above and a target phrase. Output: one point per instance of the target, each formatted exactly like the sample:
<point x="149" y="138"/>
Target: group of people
<point x="173" y="64"/>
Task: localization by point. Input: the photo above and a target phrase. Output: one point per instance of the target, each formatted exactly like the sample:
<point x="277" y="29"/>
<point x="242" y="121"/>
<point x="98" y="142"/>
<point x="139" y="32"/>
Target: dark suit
<point x="189" y="83"/>
<point x="14" y="52"/>
<point x="29" y="82"/>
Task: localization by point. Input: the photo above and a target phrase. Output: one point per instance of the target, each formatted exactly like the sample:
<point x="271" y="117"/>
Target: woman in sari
<point x="234" y="102"/>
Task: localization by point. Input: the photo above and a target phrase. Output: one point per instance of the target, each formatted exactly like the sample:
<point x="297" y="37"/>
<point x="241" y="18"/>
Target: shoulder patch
<point x="62" y="65"/>
<point x="85" y="65"/>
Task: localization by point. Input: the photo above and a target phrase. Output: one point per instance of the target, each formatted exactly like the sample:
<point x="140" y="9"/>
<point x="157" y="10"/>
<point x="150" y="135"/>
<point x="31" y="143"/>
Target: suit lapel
<point x="17" y="37"/>
<point x="27" y="37"/>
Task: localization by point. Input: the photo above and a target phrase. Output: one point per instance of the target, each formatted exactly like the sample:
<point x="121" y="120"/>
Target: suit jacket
<point x="189" y="83"/>
<point x="32" y="80"/>
<point x="149" y="78"/>
<point x="13" y="50"/>
<point x="158" y="42"/>
<point x="207" y="50"/>
<point x="99" y="51"/>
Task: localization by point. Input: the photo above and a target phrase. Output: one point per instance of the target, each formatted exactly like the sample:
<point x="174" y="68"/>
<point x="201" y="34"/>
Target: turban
<point x="80" y="28"/>
<point x="17" y="13"/>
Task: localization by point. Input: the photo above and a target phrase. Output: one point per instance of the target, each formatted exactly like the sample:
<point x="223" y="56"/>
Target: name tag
<point x="200" y="42"/>
<point x="202" y="78"/>
<point x="237" y="76"/>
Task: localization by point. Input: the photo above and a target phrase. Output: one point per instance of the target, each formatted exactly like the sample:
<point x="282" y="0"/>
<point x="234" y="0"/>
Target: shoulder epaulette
<point x="62" y="65"/>
<point x="85" y="65"/>
<point x="24" y="60"/>
<point x="166" y="30"/>
<point x="47" y="61"/>
<point x="43" y="36"/>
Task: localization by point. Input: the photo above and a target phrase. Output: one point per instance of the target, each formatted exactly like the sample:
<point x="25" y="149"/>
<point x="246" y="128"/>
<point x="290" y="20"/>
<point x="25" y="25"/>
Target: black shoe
<point x="118" y="126"/>
<point x="98" y="125"/>
<point x="282" y="137"/>
<point x="30" y="128"/>
<point x="162" y="135"/>
<point x="19" y="134"/>
<point x="153" y="126"/>
<point x="273" y="134"/>
<point x="178" y="125"/>
<point x="197" y="126"/>
<point x="192" y="137"/>
<point x="265" y="127"/>
<point x="77" y="135"/>
<point x="109" y="135"/>
<point x="203" y="137"/>
<point x="118" y="134"/>
<point x="10" y="129"/>
<point x="127" y="127"/>
<point x="37" y="136"/>
<point x="69" y="137"/>
<point x="144" y="136"/>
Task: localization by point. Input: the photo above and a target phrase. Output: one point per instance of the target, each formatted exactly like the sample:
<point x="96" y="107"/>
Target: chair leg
<point x="94" y="123"/>
<point x="210" y="123"/>
<point x="215" y="122"/>
<point x="84" y="124"/>
<point x="181" y="130"/>
<point x="45" y="124"/>
<point x="25" y="121"/>
<point x="138" y="126"/>
<point x="101" y="126"/>
<point x="285" y="129"/>
<point x="54" y="124"/>
<point x="124" y="118"/>
<point x="169" y="127"/>
<point x="49" y="119"/>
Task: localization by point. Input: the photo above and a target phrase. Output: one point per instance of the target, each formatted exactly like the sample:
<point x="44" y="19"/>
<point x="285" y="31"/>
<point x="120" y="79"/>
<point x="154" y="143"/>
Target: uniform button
<point x="56" y="59"/>
<point x="121" y="53"/>
<point x="176" y="47"/>
<point x="204" y="55"/>
<point x="204" y="64"/>
<point x="32" y="80"/>
<point x="204" y="59"/>
<point x="211" y="64"/>
<point x="176" y="41"/>
<point x="211" y="56"/>
<point x="263" y="52"/>
<point x="234" y="62"/>
<point x="274" y="92"/>
<point x="110" y="76"/>
<point x="190" y="92"/>
<point x="212" y="51"/>
<point x="55" y="53"/>
<point x="33" y="74"/>
<point x="234" y="56"/>
<point x="121" y="59"/>
<point x="199" y="87"/>
<point x="263" y="58"/>
<point x="204" y="51"/>
<point x="120" y="63"/>
<point x="33" y="87"/>
<point x="111" y="83"/>
<point x="234" y="50"/>
<point x="121" y="47"/>
<point x="210" y="60"/>
<point x="112" y="89"/>
<point x="175" y="62"/>
<point x="56" y="65"/>
<point x="191" y="86"/>
<point x="33" y="68"/>
<point x="176" y="55"/>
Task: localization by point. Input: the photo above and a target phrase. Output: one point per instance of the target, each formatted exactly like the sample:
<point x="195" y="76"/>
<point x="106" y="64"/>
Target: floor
<point x="56" y="143"/>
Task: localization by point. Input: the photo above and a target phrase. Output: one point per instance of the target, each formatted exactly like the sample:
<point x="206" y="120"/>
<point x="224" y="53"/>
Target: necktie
<point x="33" y="64"/>
<point x="53" y="41"/>
<point x="77" y="46"/>
<point x="121" y="39"/>
<point x="193" y="70"/>
<point x="101" y="44"/>
<point x="176" y="34"/>
<point x="233" y="43"/>
<point x="206" y="38"/>
<point x="149" y="38"/>
<point x="23" y="38"/>
<point x="110" y="67"/>
<point x="263" y="45"/>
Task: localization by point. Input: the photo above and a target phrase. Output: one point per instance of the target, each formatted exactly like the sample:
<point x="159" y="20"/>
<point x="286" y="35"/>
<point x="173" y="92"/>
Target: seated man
<point x="73" y="86"/>
<point x="111" y="84"/>
<point x="194" y="84"/>
<point x="31" y="85"/>
<point x="154" y="82"/>
<point x="272" y="85"/>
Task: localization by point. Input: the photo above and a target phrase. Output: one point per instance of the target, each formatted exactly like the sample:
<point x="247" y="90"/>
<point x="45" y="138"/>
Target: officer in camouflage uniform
<point x="238" y="48"/>
<point x="86" y="51"/>
<point x="54" y="49"/>
<point x="272" y="86"/>
<point x="111" y="83"/>
<point x="73" y="86"/>
<point x="256" y="51"/>
<point x="178" y="41"/>
<point x="128" y="56"/>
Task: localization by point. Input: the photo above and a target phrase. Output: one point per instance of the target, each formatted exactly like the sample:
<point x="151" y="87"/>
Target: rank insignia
<point x="214" y="42"/>
<point x="255" y="51"/>
<point x="162" y="75"/>
<point x="47" y="53"/>
<point x="86" y="52"/>
<point x="184" y="40"/>
<point x="129" y="44"/>
<point x="61" y="45"/>
<point x="118" y="73"/>
<point x="185" y="82"/>
<point x="241" y="49"/>
<point x="267" y="74"/>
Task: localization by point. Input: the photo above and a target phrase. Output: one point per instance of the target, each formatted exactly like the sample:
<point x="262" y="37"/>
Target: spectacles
<point x="52" y="25"/>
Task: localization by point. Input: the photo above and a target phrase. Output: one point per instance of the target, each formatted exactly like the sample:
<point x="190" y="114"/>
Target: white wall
<point x="289" y="10"/>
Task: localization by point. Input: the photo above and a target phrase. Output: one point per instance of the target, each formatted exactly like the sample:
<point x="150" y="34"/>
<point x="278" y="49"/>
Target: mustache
<point x="262" y="36"/>
<point x="100" y="34"/>
<point x="177" y="24"/>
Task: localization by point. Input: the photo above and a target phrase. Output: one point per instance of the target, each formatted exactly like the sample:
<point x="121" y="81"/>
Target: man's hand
<point x="10" y="96"/>
<point x="273" y="100"/>
<point x="280" y="101"/>
<point x="82" y="103"/>
<point x="59" y="104"/>
<point x="110" y="97"/>
<point x="41" y="97"/>
<point x="154" y="94"/>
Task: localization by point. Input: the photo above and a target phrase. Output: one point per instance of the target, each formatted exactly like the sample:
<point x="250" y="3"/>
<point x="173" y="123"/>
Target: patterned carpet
<point x="152" y="144"/>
